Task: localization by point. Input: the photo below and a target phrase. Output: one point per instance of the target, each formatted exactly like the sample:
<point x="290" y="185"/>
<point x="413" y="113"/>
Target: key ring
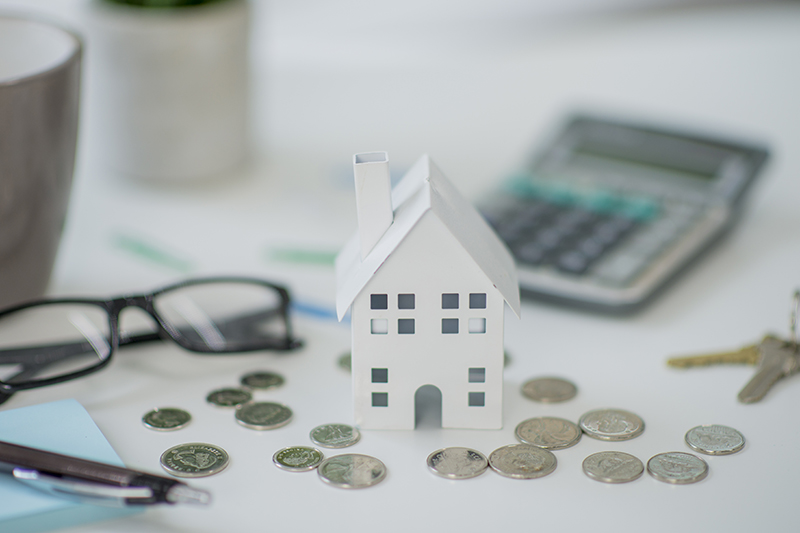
<point x="793" y="316"/>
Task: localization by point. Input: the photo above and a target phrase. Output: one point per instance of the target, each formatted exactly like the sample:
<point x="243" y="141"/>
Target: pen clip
<point x="82" y="491"/>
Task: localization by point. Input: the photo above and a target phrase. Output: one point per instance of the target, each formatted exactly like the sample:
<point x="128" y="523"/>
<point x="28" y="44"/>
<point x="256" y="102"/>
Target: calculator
<point x="609" y="212"/>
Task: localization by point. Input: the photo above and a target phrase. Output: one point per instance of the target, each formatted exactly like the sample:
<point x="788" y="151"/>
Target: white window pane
<point x="477" y="325"/>
<point x="379" y="326"/>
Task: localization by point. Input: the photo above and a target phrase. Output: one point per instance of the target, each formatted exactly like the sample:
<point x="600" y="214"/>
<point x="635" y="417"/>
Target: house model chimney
<point x="373" y="198"/>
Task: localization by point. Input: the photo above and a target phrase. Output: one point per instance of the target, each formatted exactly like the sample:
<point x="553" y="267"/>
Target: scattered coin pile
<point x="346" y="471"/>
<point x="260" y="416"/>
<point x="200" y="459"/>
<point x="533" y="458"/>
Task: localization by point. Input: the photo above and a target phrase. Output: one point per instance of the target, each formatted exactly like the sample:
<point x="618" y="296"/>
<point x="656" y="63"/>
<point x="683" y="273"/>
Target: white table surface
<point x="476" y="96"/>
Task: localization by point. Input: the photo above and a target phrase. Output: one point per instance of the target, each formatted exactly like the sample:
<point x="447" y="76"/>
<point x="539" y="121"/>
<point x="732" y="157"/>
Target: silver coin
<point x="457" y="463"/>
<point x="166" y="419"/>
<point x="714" y="440"/>
<point x="548" y="433"/>
<point x="611" y="424"/>
<point x="335" y="435"/>
<point x="297" y="458"/>
<point x="677" y="467"/>
<point x="549" y="390"/>
<point x="263" y="415"/>
<point x="351" y="471"/>
<point x="613" y="467"/>
<point x="262" y="380"/>
<point x="228" y="397"/>
<point x="194" y="460"/>
<point x="522" y="461"/>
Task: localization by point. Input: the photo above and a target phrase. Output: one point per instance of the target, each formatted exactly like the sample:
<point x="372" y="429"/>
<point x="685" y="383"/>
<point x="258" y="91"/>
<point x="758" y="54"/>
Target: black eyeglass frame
<point x="114" y="306"/>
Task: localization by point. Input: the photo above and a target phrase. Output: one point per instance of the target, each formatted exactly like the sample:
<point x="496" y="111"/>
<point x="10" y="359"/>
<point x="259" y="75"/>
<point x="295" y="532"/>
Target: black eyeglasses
<point x="51" y="341"/>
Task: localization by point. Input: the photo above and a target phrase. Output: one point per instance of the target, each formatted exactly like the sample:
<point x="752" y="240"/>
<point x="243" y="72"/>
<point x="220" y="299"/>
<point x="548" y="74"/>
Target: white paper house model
<point x="426" y="279"/>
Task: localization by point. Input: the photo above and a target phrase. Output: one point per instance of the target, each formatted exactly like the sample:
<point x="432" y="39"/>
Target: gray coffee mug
<point x="40" y="68"/>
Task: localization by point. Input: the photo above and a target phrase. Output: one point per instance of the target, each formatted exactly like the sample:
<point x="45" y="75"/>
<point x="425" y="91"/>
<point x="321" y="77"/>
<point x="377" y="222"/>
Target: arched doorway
<point x="428" y="407"/>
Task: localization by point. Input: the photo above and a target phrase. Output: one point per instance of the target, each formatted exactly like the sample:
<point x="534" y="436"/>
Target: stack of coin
<point x="166" y="419"/>
<point x="548" y="433"/>
<point x="297" y="458"/>
<point x="457" y="463"/>
<point x="677" y="467"/>
<point x="335" y="435"/>
<point x="549" y="390"/>
<point x="714" y="440"/>
<point x="351" y="471"/>
<point x="613" y="467"/>
<point x="262" y="380"/>
<point x="229" y="397"/>
<point x="194" y="460"/>
<point x="611" y="424"/>
<point x="522" y="461"/>
<point x="263" y="415"/>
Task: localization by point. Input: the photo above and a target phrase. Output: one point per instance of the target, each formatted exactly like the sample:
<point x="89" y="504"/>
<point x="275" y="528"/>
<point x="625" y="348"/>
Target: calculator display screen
<point x="648" y="155"/>
<point x="640" y="163"/>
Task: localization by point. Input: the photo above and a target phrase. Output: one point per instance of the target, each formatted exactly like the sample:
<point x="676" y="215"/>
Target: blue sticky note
<point x="63" y="427"/>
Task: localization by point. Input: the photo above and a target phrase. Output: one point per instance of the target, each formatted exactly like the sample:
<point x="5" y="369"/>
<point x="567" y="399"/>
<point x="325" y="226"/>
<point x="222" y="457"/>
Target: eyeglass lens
<point x="47" y="341"/>
<point x="222" y="316"/>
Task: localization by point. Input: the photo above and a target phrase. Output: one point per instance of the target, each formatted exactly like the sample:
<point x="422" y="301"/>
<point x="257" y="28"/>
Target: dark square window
<point x="450" y="301"/>
<point x="449" y="325"/>
<point x="476" y="375"/>
<point x="405" y="301"/>
<point x="380" y="375"/>
<point x="379" y="301"/>
<point x="476" y="399"/>
<point x="405" y="325"/>
<point x="477" y="300"/>
<point x="381" y="399"/>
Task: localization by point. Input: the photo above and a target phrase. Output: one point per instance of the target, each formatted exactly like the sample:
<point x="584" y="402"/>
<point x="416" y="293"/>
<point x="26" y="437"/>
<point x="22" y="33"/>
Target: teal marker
<point x="152" y="253"/>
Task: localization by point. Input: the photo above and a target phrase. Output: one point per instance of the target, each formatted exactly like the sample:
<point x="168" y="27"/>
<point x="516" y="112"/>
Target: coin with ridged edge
<point x="351" y="471"/>
<point x="297" y="458"/>
<point x="548" y="432"/>
<point x="263" y="415"/>
<point x="714" y="440"/>
<point x="262" y="380"/>
<point x="166" y="419"/>
<point x="613" y="467"/>
<point x="611" y="424"/>
<point x="679" y="468"/>
<point x="335" y="435"/>
<point x="549" y="390"/>
<point x="522" y="461"/>
<point x="228" y="397"/>
<point x="457" y="463"/>
<point x="194" y="459"/>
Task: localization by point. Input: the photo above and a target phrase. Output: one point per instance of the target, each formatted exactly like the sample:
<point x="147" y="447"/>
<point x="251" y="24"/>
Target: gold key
<point x="748" y="355"/>
<point x="775" y="357"/>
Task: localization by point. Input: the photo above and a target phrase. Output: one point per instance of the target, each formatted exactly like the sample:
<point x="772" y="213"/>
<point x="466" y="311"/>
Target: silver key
<point x="778" y="359"/>
<point x="775" y="357"/>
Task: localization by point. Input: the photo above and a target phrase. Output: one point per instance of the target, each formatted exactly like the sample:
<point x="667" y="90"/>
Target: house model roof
<point x="425" y="189"/>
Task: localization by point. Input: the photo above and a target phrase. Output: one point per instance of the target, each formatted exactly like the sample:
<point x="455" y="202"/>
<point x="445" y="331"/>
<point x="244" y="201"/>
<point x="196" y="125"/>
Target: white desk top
<point x="477" y="102"/>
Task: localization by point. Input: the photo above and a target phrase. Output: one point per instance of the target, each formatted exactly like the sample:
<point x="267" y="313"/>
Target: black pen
<point x="93" y="482"/>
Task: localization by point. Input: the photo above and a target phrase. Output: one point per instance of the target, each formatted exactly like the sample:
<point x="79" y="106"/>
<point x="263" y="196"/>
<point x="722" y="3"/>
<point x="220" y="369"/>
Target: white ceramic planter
<point x="169" y="88"/>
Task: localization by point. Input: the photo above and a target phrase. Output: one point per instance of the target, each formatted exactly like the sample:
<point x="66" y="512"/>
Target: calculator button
<point x="550" y="238"/>
<point x="591" y="248"/>
<point x="572" y="262"/>
<point x="620" y="269"/>
<point x="531" y="253"/>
